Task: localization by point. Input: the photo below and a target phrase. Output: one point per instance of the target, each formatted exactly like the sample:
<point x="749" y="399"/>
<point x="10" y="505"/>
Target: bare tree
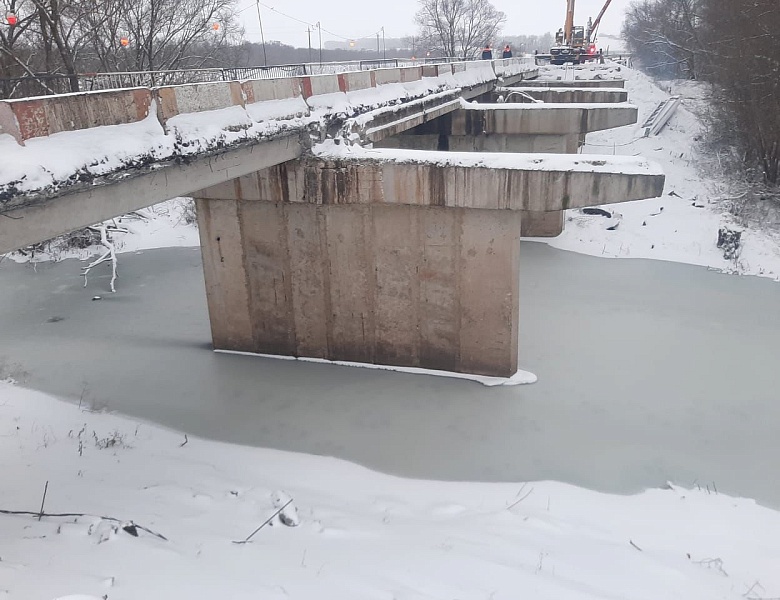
<point x="72" y="36"/>
<point x="458" y="27"/>
<point x="664" y="36"/>
<point x="743" y="37"/>
<point x="734" y="44"/>
<point x="170" y="34"/>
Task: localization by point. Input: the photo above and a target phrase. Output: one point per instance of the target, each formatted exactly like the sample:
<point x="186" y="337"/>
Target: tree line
<point x="67" y="37"/>
<point x="733" y="44"/>
<point x="71" y="36"/>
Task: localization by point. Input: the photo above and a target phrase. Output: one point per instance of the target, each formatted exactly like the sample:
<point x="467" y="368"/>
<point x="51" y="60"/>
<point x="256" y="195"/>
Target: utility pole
<point x="377" y="44"/>
<point x="384" y="48"/>
<point x="308" y="31"/>
<point x="319" y="27"/>
<point x="262" y="36"/>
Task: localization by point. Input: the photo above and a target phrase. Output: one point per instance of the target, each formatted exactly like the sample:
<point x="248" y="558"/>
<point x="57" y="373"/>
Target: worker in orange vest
<point x="487" y="52"/>
<point x="507" y="52"/>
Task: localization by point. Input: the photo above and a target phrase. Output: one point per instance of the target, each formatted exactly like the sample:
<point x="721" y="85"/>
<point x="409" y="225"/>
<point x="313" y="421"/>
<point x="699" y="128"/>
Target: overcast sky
<point x="363" y="18"/>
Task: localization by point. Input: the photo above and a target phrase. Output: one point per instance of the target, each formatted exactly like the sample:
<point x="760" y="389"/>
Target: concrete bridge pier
<point x="370" y="256"/>
<point x="418" y="286"/>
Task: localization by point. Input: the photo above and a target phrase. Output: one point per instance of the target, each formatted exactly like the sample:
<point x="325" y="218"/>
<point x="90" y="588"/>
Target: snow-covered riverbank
<point x="361" y="534"/>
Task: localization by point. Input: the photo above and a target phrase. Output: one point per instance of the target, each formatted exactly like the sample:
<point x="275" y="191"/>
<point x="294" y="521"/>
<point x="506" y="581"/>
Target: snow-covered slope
<point x="362" y="535"/>
<point x="682" y="226"/>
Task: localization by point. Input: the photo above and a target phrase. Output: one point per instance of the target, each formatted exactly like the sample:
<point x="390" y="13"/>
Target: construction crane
<point x="575" y="43"/>
<point x="593" y="28"/>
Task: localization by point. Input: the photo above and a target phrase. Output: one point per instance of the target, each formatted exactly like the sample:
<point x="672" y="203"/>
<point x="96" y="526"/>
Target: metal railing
<point x="48" y="84"/>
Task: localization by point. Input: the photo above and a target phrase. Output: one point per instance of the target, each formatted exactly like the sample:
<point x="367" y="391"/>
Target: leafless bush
<point x="187" y="208"/>
<point x="80" y="239"/>
<point x="112" y="440"/>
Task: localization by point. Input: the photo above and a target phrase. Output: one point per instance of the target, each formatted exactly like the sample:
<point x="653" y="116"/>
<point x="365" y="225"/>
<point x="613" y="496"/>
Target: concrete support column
<point x="535" y="223"/>
<point x="417" y="286"/>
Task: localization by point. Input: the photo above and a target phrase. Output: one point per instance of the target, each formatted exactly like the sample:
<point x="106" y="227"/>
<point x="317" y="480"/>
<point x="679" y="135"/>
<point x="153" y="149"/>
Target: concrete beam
<point x="563" y="95"/>
<point x="581" y="83"/>
<point x="530" y="119"/>
<point x="497" y="142"/>
<point x="534" y="119"/>
<point x="38" y="218"/>
<point x="531" y="182"/>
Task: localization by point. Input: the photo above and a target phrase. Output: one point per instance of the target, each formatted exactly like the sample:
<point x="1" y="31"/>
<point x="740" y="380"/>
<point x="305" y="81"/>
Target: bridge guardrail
<point x="45" y="84"/>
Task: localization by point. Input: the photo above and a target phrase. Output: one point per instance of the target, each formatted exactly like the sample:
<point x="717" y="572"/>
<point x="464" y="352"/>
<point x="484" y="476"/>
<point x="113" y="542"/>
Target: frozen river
<point x="648" y="372"/>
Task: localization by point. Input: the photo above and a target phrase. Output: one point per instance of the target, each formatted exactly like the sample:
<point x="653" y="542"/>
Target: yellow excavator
<point x="575" y="43"/>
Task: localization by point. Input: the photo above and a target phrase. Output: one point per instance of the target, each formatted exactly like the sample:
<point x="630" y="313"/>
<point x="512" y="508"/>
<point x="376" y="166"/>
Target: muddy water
<point x="648" y="372"/>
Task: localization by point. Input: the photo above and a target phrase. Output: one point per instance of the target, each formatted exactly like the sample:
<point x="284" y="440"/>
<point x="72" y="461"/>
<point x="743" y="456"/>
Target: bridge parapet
<point x="40" y="117"/>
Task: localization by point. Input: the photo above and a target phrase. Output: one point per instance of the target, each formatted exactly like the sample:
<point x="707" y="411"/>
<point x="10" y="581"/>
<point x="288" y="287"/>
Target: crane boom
<point x="595" y="25"/>
<point x="569" y="26"/>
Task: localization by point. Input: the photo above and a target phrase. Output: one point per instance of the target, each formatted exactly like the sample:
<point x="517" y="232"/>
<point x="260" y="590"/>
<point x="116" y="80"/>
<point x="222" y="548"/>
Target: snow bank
<point x="361" y="534"/>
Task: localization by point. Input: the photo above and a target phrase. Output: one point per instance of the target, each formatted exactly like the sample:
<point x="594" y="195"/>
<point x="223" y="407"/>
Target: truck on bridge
<point x="575" y="43"/>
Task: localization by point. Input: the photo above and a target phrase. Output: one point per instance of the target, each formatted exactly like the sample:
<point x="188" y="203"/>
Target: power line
<point x="308" y="24"/>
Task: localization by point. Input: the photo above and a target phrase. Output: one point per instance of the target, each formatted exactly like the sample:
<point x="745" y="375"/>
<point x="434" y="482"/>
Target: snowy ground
<point x="682" y="226"/>
<point x="364" y="535"/>
<point x="361" y="535"/>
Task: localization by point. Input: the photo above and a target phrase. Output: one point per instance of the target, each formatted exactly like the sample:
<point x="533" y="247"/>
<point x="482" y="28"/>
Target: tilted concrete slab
<point x="37" y="218"/>
<point x="388" y="121"/>
<point x="562" y="94"/>
<point x="529" y="182"/>
<point x="581" y="83"/>
<point x="198" y="119"/>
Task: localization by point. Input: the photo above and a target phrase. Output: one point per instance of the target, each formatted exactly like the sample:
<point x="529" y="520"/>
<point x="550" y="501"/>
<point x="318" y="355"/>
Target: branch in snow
<point x="266" y="522"/>
<point x="67" y="515"/>
<point x="110" y="254"/>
